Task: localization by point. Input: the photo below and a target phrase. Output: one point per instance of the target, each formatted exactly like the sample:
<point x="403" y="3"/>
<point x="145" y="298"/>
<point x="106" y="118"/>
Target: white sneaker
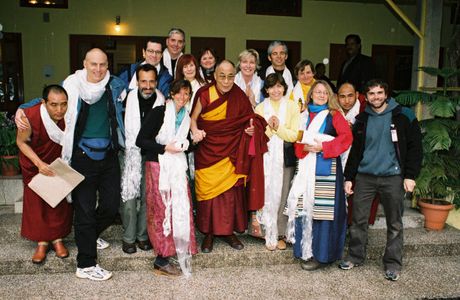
<point x="101" y="244"/>
<point x="94" y="273"/>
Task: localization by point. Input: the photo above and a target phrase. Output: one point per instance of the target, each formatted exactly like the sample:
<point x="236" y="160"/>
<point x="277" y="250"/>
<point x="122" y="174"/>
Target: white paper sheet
<point x="53" y="189"/>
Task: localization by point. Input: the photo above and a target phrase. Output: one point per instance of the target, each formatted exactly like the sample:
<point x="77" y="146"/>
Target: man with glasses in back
<point x="224" y="124"/>
<point x="152" y="54"/>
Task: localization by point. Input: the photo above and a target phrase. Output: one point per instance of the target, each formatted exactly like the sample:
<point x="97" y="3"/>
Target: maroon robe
<point x="226" y="138"/>
<point x="41" y="222"/>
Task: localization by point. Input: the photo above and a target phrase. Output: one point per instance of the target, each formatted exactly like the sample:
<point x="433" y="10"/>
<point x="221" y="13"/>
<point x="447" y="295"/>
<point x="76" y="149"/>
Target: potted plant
<point x="8" y="148"/>
<point x="438" y="186"/>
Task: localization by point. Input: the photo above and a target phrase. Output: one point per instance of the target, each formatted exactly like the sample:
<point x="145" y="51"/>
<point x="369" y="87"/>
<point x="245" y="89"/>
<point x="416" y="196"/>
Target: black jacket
<point x="408" y="148"/>
<point x="359" y="71"/>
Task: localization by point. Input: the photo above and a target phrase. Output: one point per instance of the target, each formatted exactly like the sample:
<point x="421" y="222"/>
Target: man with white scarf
<point x="277" y="55"/>
<point x="93" y="135"/>
<point x="141" y="100"/>
<point x="351" y="107"/>
<point x="175" y="43"/>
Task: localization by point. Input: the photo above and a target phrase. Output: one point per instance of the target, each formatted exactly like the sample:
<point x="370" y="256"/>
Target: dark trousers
<point x="96" y="201"/>
<point x="391" y="192"/>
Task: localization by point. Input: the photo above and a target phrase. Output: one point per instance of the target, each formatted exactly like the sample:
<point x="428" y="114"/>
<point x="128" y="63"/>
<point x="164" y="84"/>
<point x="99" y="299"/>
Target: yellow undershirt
<point x="212" y="181"/>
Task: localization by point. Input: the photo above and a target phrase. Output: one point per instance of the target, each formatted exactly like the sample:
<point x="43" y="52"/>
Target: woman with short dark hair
<point x="208" y="59"/>
<point x="282" y="116"/>
<point x="305" y="72"/>
<point x="164" y="136"/>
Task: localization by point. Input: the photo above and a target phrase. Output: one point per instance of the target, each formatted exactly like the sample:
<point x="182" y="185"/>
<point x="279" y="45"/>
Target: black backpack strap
<point x="81" y="123"/>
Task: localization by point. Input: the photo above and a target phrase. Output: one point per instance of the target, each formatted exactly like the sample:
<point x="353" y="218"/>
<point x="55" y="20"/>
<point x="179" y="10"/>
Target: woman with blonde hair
<point x="247" y="78"/>
<point x="316" y="203"/>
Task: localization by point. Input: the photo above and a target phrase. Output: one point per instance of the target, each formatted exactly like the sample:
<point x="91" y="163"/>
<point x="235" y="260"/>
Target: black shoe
<point x="207" y="244"/>
<point x="167" y="270"/>
<point x="234" y="242"/>
<point x="312" y="264"/>
<point x="129" y="248"/>
<point x="144" y="245"/>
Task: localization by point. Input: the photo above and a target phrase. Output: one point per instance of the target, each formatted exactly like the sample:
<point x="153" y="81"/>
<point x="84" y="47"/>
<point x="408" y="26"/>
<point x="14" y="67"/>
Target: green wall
<point x="323" y="22"/>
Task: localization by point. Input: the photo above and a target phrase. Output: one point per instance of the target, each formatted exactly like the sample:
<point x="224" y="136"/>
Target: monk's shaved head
<point x="225" y="76"/>
<point x="347" y="96"/>
<point x="225" y="64"/>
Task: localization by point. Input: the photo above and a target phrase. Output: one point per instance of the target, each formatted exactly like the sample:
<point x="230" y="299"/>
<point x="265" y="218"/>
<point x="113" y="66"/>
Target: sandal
<point x="255" y="229"/>
<point x="281" y="245"/>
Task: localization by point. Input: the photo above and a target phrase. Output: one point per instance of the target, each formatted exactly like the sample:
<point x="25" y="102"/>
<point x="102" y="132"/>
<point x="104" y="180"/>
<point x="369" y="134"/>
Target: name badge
<point x="394" y="135"/>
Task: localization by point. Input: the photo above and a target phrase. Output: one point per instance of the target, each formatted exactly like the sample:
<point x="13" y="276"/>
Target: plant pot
<point x="435" y="214"/>
<point x="9" y="165"/>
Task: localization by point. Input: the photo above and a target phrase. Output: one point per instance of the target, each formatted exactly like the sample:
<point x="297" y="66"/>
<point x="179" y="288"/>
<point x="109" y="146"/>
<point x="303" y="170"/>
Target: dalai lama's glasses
<point x="228" y="77"/>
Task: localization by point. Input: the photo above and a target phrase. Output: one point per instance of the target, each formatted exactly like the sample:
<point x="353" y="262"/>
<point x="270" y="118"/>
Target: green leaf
<point x="441" y="106"/>
<point x="410" y="98"/>
<point x="437" y="136"/>
<point x="444" y="72"/>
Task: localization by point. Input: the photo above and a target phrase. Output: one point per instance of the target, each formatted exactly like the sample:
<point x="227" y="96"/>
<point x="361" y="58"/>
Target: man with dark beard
<point x="385" y="158"/>
<point x="139" y="103"/>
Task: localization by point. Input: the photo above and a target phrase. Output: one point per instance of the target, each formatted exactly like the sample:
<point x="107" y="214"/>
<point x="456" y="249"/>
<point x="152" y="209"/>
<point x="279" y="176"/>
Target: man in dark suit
<point x="358" y="68"/>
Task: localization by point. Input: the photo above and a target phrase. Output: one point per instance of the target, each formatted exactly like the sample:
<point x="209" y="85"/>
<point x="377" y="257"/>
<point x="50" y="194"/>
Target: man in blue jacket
<point x="93" y="135"/>
<point x="152" y="53"/>
<point x="385" y="158"/>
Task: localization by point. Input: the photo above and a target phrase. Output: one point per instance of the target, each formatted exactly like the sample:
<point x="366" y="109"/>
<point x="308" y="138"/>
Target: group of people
<point x="268" y="154"/>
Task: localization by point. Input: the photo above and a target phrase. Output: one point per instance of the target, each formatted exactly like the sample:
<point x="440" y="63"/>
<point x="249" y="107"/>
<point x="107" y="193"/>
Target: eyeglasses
<point x="228" y="77"/>
<point x="156" y="52"/>
<point x="320" y="92"/>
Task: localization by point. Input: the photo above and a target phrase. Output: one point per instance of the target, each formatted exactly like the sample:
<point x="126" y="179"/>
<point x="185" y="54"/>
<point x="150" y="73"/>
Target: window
<point x="291" y="8"/>
<point x="44" y="3"/>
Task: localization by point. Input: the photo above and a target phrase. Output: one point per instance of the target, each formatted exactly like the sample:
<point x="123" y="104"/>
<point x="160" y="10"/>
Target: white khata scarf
<point x="167" y="61"/>
<point x="195" y="86"/>
<point x="298" y="92"/>
<point x="353" y="112"/>
<point x="303" y="184"/>
<point x="52" y="129"/>
<point x="78" y="87"/>
<point x="132" y="171"/>
<point x="173" y="185"/>
<point x="255" y="84"/>
<point x="273" y="169"/>
<point x="133" y="82"/>
<point x="350" y="117"/>
<point x="286" y="75"/>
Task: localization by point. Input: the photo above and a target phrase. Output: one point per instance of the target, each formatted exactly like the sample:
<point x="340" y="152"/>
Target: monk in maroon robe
<point x="39" y="147"/>
<point x="229" y="155"/>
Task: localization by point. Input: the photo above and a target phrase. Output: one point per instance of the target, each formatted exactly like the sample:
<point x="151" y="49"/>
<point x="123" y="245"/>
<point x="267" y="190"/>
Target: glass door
<point x="11" y="76"/>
